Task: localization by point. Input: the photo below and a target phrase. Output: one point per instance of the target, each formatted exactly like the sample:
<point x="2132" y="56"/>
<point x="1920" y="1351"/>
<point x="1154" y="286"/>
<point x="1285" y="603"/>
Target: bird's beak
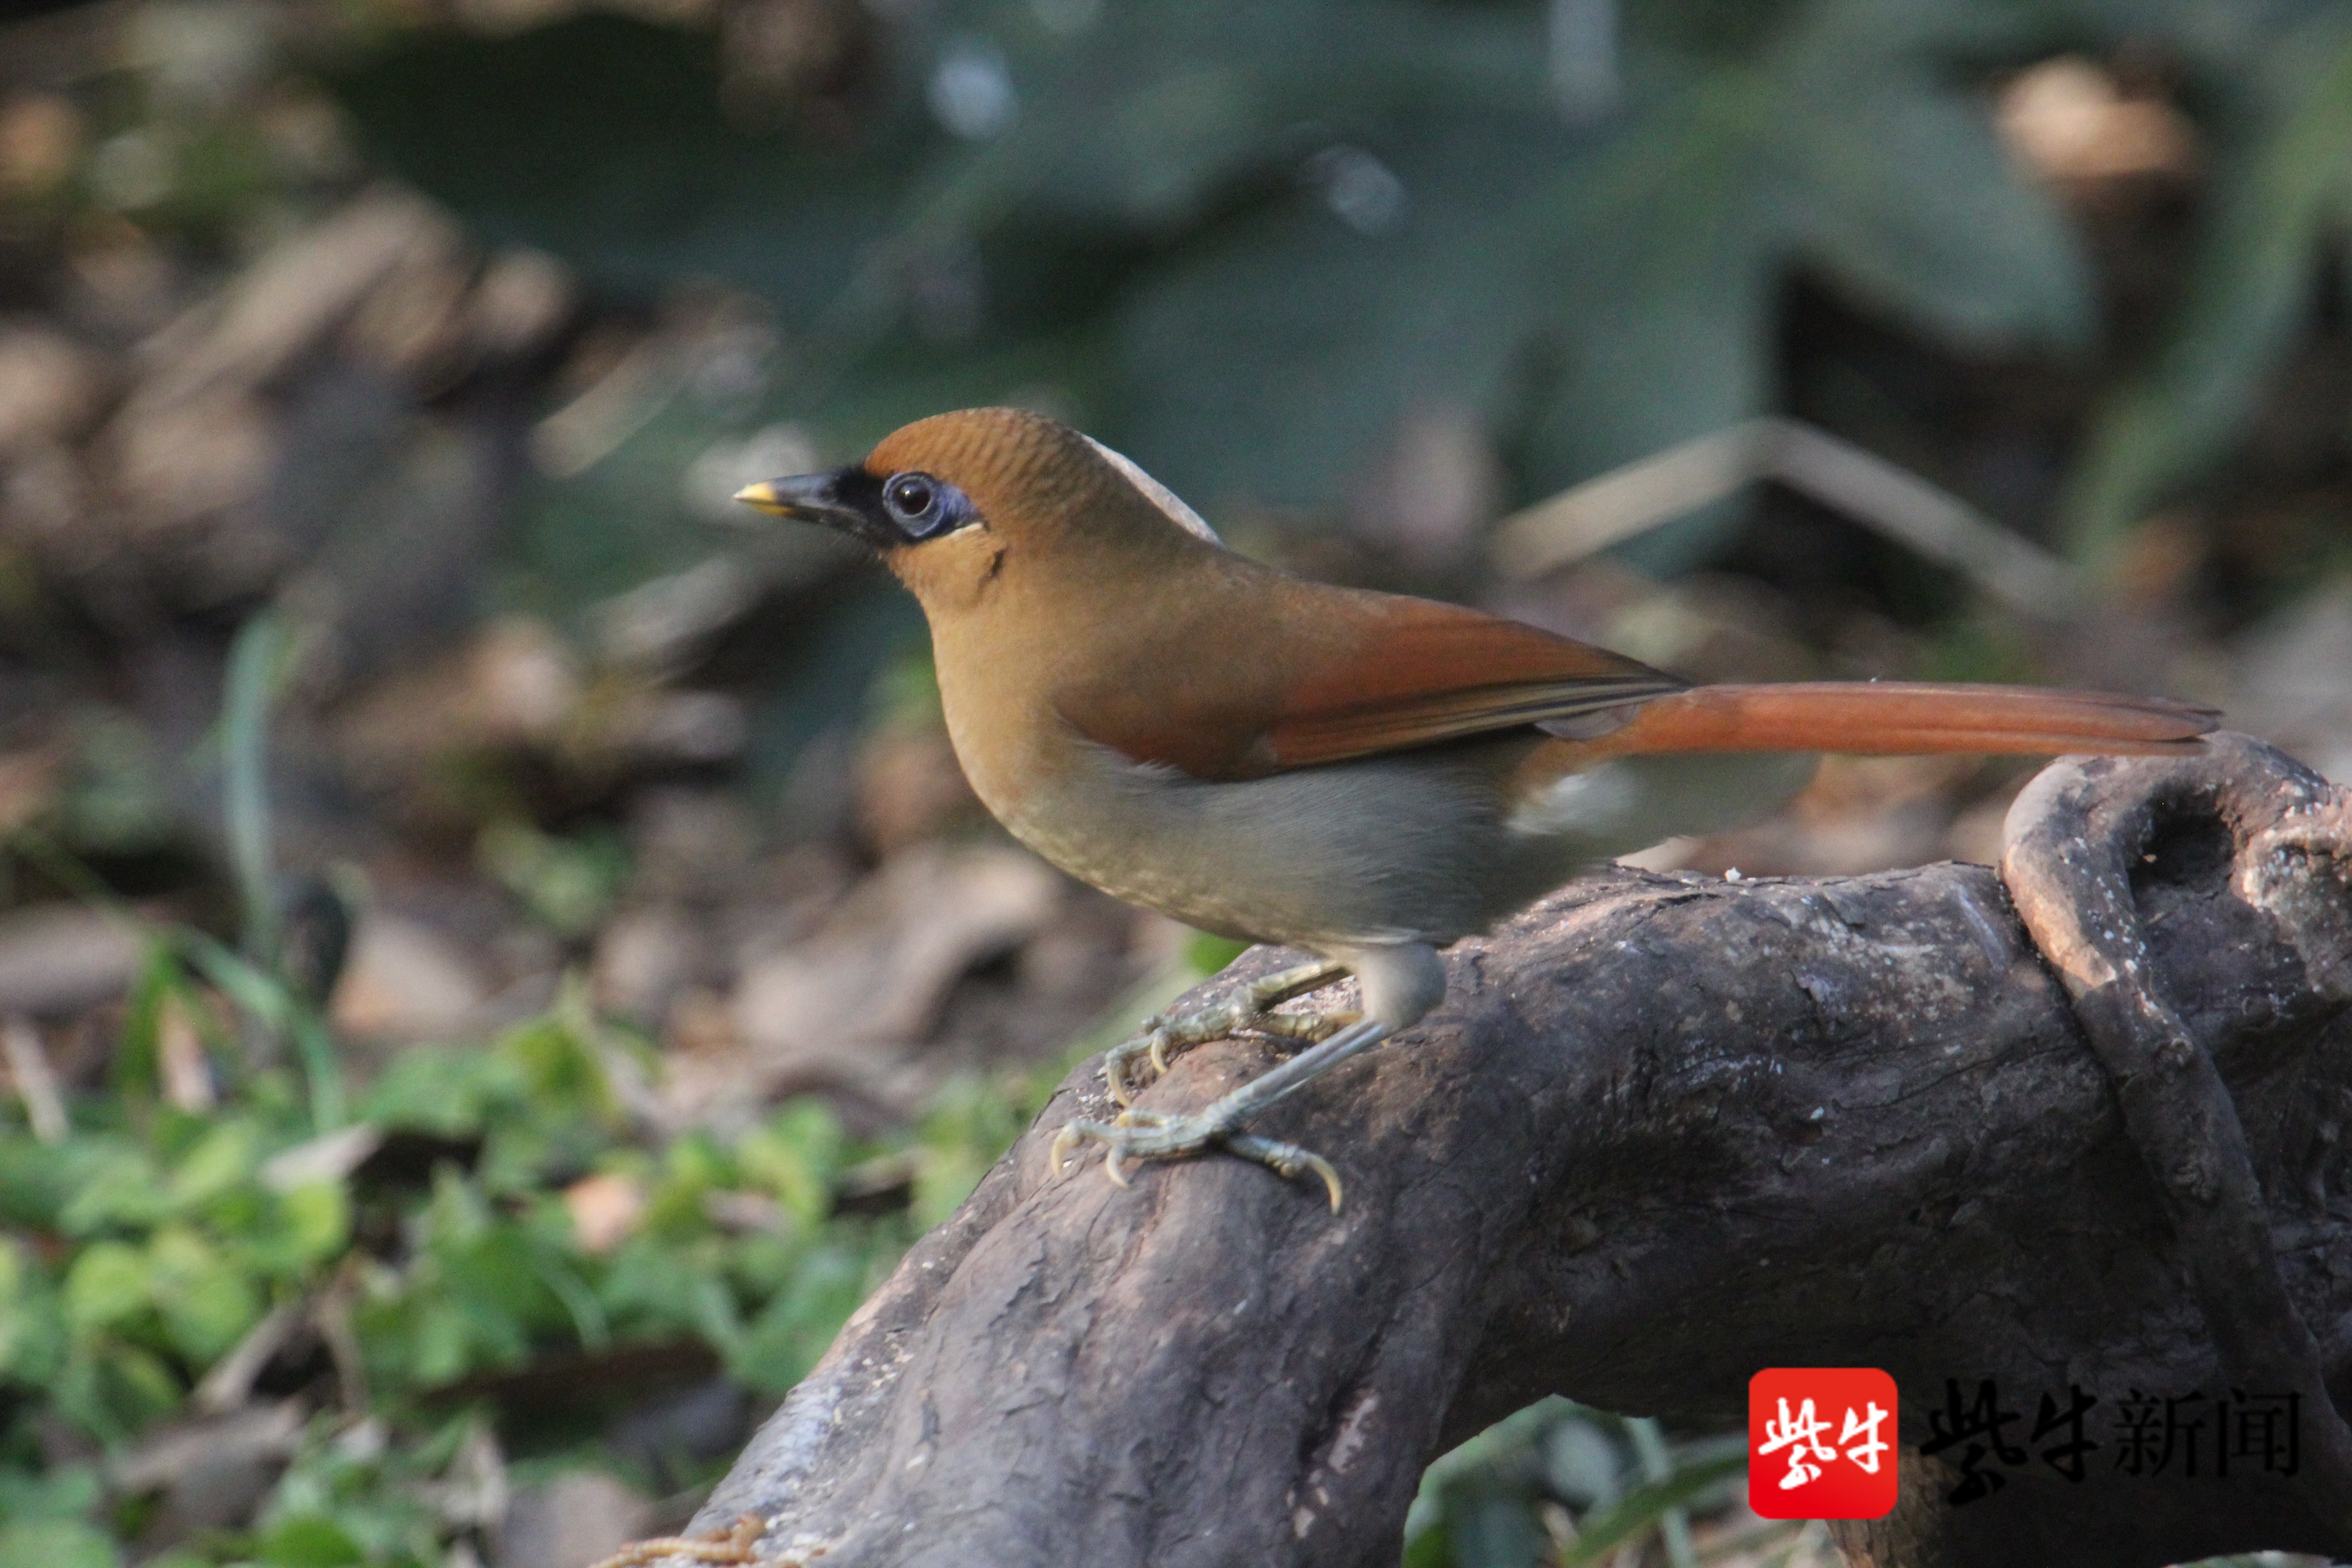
<point x="809" y="498"/>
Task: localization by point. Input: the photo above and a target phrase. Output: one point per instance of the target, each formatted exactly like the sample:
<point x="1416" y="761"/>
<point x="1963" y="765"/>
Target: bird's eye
<point x="921" y="507"/>
<point x="912" y="497"/>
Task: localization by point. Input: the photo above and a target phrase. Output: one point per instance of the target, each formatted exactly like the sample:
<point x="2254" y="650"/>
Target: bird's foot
<point x="1148" y="1134"/>
<point x="1249" y="1008"/>
<point x="1143" y="1134"/>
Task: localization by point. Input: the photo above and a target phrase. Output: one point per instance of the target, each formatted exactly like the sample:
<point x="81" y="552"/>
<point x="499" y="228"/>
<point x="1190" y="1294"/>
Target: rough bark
<point x="1666" y="1132"/>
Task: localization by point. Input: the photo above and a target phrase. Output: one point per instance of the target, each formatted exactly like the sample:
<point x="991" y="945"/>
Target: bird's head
<point x="954" y="501"/>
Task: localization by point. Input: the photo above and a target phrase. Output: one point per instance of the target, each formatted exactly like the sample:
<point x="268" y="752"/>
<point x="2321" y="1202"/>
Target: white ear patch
<point x="1166" y="499"/>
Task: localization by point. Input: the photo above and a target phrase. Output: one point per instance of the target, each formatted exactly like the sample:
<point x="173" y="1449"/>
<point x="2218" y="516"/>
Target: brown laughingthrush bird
<point x="1363" y="775"/>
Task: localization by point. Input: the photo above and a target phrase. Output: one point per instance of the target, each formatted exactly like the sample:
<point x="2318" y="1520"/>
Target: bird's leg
<point x="1141" y="1134"/>
<point x="1248" y="1008"/>
<point x="1402" y="982"/>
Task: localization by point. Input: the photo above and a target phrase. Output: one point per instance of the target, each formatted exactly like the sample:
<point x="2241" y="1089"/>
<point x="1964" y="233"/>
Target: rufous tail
<point x="1888" y="718"/>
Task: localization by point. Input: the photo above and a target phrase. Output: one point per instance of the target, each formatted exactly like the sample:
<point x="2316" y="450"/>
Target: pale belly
<point x="1361" y="853"/>
<point x="1418" y="847"/>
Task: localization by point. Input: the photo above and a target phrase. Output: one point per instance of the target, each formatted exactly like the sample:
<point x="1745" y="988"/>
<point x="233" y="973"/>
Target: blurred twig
<point x="257" y="662"/>
<point x="36" y="1080"/>
<point x="254" y="663"/>
<point x="1879" y="495"/>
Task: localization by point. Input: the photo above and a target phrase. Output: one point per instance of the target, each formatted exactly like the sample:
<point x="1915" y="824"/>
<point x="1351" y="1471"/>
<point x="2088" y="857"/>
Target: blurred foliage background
<point x="496" y="956"/>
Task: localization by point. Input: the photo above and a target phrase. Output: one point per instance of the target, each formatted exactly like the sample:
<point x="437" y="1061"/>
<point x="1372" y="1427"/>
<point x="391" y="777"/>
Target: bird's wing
<point x="1410" y="672"/>
<point x="1305" y="674"/>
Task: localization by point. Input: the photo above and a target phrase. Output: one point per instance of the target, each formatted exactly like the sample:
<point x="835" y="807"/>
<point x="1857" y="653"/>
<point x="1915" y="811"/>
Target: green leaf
<point x="224" y="1157"/>
<point x="54" y="1491"/>
<point x="795" y="1158"/>
<point x="1211" y="955"/>
<point x="1267" y="361"/>
<point x="119" y="1186"/>
<point x="111" y="1387"/>
<point x="310" y="1540"/>
<point x="971" y="1122"/>
<point x="441" y="1346"/>
<point x="588" y="1319"/>
<point x="120" y="799"/>
<point x="38" y="1179"/>
<point x="254" y="990"/>
<point x="498" y="1287"/>
<point x="56" y="1543"/>
<point x="560" y="1071"/>
<point x="1433" y="1548"/>
<point x="1147" y="121"/>
<point x="1904" y="195"/>
<point x="109" y="1284"/>
<point x="32" y="1327"/>
<point x="652" y="1289"/>
<point x="785" y="1340"/>
<point x="568" y="883"/>
<point x="207" y="1303"/>
<point x="443" y="1089"/>
<point x="135" y="1070"/>
<point x="1494" y="1531"/>
<point x="302" y="1228"/>
<point x="692" y="1167"/>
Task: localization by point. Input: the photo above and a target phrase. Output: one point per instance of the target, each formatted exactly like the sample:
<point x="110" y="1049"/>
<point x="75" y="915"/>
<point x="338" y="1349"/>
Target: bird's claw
<point x="1159" y="1034"/>
<point x="1288" y="1160"/>
<point x="1143" y="1134"/>
<point x="1151" y="1043"/>
<point x="1162" y="1034"/>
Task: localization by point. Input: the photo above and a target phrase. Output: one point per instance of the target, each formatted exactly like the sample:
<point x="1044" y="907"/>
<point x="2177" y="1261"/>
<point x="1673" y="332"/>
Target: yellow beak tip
<point x="763" y="496"/>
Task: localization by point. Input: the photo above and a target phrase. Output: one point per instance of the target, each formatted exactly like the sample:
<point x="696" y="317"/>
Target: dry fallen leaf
<point x="406" y="981"/>
<point x="57" y="959"/>
<point x="847" y="1004"/>
<point x="604" y="1209"/>
<point x="2070" y="121"/>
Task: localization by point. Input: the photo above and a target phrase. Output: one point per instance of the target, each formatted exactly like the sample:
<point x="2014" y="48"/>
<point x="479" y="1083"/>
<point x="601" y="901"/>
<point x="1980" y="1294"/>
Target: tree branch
<point x="2082" y="832"/>
<point x="1667" y="1131"/>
